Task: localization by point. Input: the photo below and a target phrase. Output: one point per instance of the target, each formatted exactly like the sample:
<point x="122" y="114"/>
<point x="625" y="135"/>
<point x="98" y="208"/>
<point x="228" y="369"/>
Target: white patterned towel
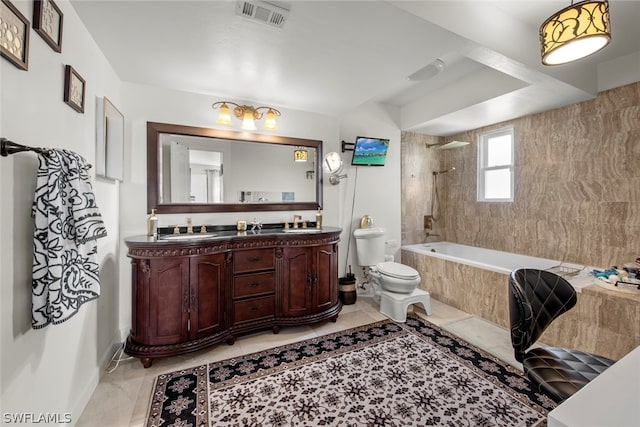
<point x="67" y="224"/>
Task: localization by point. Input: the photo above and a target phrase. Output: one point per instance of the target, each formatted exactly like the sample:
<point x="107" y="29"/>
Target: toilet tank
<point x="369" y="246"/>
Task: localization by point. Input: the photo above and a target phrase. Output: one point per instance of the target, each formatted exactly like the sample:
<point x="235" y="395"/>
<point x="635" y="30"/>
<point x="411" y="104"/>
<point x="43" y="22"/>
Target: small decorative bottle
<point x="152" y="224"/>
<point x="319" y="219"/>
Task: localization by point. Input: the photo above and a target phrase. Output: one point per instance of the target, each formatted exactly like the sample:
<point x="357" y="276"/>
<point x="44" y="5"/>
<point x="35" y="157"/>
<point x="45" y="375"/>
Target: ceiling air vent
<point x="262" y="11"/>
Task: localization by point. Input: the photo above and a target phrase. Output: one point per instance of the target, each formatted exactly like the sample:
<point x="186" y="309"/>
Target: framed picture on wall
<point x="14" y="35"/>
<point x="74" y="89"/>
<point x="109" y="140"/>
<point x="47" y="21"/>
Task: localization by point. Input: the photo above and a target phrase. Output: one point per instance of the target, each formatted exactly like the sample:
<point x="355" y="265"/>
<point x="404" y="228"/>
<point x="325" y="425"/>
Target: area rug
<point x="382" y="374"/>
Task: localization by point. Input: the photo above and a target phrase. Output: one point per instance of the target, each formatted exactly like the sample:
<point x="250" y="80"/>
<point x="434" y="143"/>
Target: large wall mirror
<point x="192" y="170"/>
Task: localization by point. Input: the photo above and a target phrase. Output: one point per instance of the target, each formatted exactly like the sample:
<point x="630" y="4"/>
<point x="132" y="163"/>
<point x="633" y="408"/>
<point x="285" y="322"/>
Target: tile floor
<point x="122" y="397"/>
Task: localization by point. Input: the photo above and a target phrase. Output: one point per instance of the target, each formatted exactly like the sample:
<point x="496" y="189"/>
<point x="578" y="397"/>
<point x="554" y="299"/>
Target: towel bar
<point x="9" y="147"/>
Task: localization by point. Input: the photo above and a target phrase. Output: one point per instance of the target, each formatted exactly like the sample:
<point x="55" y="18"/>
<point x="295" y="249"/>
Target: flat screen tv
<point x="369" y="151"/>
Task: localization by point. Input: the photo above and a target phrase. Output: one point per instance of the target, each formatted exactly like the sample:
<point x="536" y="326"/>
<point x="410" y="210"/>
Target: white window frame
<point x="483" y="140"/>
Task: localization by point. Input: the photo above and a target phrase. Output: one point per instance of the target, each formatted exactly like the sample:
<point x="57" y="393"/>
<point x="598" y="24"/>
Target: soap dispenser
<point x="152" y="224"/>
<point x="319" y="219"/>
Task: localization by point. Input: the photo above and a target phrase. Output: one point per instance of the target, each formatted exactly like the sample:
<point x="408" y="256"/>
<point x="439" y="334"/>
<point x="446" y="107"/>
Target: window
<point x="495" y="166"/>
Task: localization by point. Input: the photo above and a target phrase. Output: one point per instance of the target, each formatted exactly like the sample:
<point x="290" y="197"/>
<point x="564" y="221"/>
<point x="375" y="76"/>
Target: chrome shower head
<point x="444" y="171"/>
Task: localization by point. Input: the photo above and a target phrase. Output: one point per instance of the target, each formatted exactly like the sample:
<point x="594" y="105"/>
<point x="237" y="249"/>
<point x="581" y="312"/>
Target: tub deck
<point x="603" y="321"/>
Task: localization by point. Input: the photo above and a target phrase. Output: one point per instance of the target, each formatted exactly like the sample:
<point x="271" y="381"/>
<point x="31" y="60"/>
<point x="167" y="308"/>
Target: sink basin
<point x="301" y="230"/>
<point x="187" y="237"/>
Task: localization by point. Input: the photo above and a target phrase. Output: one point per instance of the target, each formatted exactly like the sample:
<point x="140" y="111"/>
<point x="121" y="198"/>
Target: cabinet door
<point x="168" y="300"/>
<point x="297" y="277"/>
<point x="325" y="285"/>
<point x="207" y="295"/>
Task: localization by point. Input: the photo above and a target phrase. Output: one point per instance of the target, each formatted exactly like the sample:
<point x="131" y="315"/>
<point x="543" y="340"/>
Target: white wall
<point x="370" y="190"/>
<point x="54" y="369"/>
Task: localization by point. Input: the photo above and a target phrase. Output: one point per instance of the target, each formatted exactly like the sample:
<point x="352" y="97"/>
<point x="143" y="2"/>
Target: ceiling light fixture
<point x="575" y="32"/>
<point x="247" y="114"/>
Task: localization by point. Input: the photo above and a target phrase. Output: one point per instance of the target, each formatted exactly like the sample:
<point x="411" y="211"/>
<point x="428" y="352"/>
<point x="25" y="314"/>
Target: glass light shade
<point x="270" y="120"/>
<point x="575" y="32"/>
<point x="224" y="117"/>
<point x="248" y="123"/>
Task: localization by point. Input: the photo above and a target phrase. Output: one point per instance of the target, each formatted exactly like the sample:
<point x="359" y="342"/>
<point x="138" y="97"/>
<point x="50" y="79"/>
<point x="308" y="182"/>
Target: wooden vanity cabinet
<point x="176" y="300"/>
<point x="190" y="295"/>
<point x="309" y="284"/>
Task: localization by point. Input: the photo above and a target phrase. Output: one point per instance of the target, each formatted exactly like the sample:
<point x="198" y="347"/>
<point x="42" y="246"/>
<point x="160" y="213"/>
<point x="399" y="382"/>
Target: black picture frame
<point x="75" y="88"/>
<point x="14" y="38"/>
<point x="48" y="22"/>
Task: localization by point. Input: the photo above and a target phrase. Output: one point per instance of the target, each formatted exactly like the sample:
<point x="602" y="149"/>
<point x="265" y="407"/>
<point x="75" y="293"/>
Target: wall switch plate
<point x="428" y="222"/>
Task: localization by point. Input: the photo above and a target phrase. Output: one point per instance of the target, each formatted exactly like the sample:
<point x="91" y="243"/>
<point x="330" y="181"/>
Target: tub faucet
<point x="428" y="234"/>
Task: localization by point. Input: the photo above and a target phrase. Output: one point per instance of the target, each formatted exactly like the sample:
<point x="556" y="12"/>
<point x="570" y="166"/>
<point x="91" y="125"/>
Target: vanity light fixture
<point x="575" y="32"/>
<point x="247" y="113"/>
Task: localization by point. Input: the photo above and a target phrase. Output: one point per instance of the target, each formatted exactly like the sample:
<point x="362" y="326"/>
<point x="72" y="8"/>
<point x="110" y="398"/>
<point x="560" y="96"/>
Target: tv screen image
<point x="370" y="151"/>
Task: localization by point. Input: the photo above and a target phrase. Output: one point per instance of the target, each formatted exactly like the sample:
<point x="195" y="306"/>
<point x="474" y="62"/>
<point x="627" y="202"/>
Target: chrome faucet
<point x="189" y="226"/>
<point x="296" y="219"/>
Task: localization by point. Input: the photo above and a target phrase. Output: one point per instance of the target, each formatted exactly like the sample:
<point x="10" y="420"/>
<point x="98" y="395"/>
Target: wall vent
<point x="262" y="11"/>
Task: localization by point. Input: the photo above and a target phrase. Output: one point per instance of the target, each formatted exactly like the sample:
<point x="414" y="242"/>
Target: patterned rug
<point x="383" y="374"/>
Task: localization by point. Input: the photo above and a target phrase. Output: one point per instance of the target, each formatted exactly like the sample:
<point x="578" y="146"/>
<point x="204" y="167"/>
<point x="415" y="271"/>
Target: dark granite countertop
<point x="224" y="233"/>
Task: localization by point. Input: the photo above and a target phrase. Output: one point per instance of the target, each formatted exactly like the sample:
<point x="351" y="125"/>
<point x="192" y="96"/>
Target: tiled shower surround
<point x="577" y="185"/>
<point x="577" y="199"/>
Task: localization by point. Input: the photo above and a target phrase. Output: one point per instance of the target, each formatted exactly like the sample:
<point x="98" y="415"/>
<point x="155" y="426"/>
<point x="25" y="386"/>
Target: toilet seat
<point x="397" y="270"/>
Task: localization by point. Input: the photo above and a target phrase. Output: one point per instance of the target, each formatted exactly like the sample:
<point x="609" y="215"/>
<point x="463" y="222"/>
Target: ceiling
<point x="332" y="56"/>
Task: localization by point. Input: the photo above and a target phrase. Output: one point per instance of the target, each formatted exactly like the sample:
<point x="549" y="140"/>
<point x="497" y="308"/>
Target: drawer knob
<point x="254" y="258"/>
<point x="254" y="309"/>
<point x="253" y="284"/>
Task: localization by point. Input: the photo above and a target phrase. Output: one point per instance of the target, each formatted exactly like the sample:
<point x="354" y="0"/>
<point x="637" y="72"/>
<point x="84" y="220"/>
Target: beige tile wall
<point x="577" y="185"/>
<point x="418" y="164"/>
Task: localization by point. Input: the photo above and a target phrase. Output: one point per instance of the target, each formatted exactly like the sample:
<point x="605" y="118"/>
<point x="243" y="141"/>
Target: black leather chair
<point x="536" y="298"/>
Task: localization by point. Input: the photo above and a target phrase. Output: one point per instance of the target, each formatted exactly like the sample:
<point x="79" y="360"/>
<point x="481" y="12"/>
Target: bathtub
<point x="498" y="261"/>
<point x="475" y="280"/>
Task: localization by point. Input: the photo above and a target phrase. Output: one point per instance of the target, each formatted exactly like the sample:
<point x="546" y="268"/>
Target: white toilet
<point x="398" y="283"/>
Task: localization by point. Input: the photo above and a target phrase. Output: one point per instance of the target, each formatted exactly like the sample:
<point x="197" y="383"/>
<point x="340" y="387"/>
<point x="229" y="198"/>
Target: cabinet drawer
<point x="252" y="260"/>
<point x="251" y="309"/>
<point x="253" y="284"/>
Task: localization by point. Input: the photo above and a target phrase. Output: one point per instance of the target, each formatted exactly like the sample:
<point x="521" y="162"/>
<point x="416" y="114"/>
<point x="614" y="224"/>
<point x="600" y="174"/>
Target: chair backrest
<point x="536" y="298"/>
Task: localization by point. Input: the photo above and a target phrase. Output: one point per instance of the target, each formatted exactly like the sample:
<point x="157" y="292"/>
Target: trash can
<point x="347" y="289"/>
